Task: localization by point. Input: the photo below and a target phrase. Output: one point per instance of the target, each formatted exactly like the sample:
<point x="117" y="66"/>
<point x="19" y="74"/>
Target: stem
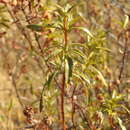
<point x="65" y="32"/>
<point x="63" y="79"/>
<point x="62" y="102"/>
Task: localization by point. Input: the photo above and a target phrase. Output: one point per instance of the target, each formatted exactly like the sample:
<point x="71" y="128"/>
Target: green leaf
<point x="67" y="8"/>
<point x="121" y="124"/>
<point x="35" y="27"/>
<point x="78" y="45"/>
<point x="90" y="56"/>
<point x="77" y="59"/>
<point x="10" y="105"/>
<point x="60" y="10"/>
<point x="83" y="77"/>
<point x="31" y="89"/>
<point x="85" y="30"/>
<point x="70" y="63"/>
<point x="103" y="48"/>
<point x="68" y="69"/>
<point x="126" y="109"/>
<point x="100" y="75"/>
<point x="41" y="99"/>
<point x="41" y="104"/>
<point x="77" y="52"/>
<point x="114" y="94"/>
<point x="79" y="77"/>
<point x="66" y="72"/>
<point x="47" y="83"/>
<point x="73" y="6"/>
<point x="54" y="53"/>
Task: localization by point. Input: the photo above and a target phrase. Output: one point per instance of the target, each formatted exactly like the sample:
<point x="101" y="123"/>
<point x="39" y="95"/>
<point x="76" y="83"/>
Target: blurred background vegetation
<point x="95" y="63"/>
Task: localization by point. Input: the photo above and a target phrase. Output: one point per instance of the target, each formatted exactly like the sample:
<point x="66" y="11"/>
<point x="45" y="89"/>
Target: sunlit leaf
<point x="100" y="76"/>
<point x="79" y="77"/>
<point x="71" y="7"/>
<point x="126" y="21"/>
<point x="121" y="124"/>
<point x="85" y="30"/>
<point x="126" y="109"/>
<point x="103" y="48"/>
<point x="84" y="77"/>
<point x="77" y="52"/>
<point x="67" y="8"/>
<point x="78" y="45"/>
<point x="90" y="56"/>
<point x="114" y="94"/>
<point x="54" y="53"/>
<point x="60" y="10"/>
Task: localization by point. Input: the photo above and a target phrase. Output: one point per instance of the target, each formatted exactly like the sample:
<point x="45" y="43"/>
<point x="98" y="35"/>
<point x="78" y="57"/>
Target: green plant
<point x="62" y="63"/>
<point x="74" y="63"/>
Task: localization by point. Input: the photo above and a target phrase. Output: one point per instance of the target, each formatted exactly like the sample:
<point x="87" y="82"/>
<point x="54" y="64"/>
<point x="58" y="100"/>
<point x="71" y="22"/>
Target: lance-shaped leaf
<point x="68" y="69"/>
<point x="41" y="103"/>
<point x="85" y="30"/>
<point x="121" y="124"/>
<point x="10" y="105"/>
<point x="71" y="7"/>
<point x="128" y="111"/>
<point x="49" y="80"/>
<point x="84" y="77"/>
<point x="77" y="52"/>
<point x="60" y="10"/>
<point x="80" y="45"/>
<point x="35" y="27"/>
<point x="54" y="53"/>
<point x="47" y="83"/>
<point x="126" y="21"/>
<point x="100" y="75"/>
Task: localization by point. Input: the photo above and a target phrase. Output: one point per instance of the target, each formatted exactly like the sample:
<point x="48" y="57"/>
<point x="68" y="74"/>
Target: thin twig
<point x="16" y="91"/>
<point x="123" y="61"/>
<point x="126" y="35"/>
